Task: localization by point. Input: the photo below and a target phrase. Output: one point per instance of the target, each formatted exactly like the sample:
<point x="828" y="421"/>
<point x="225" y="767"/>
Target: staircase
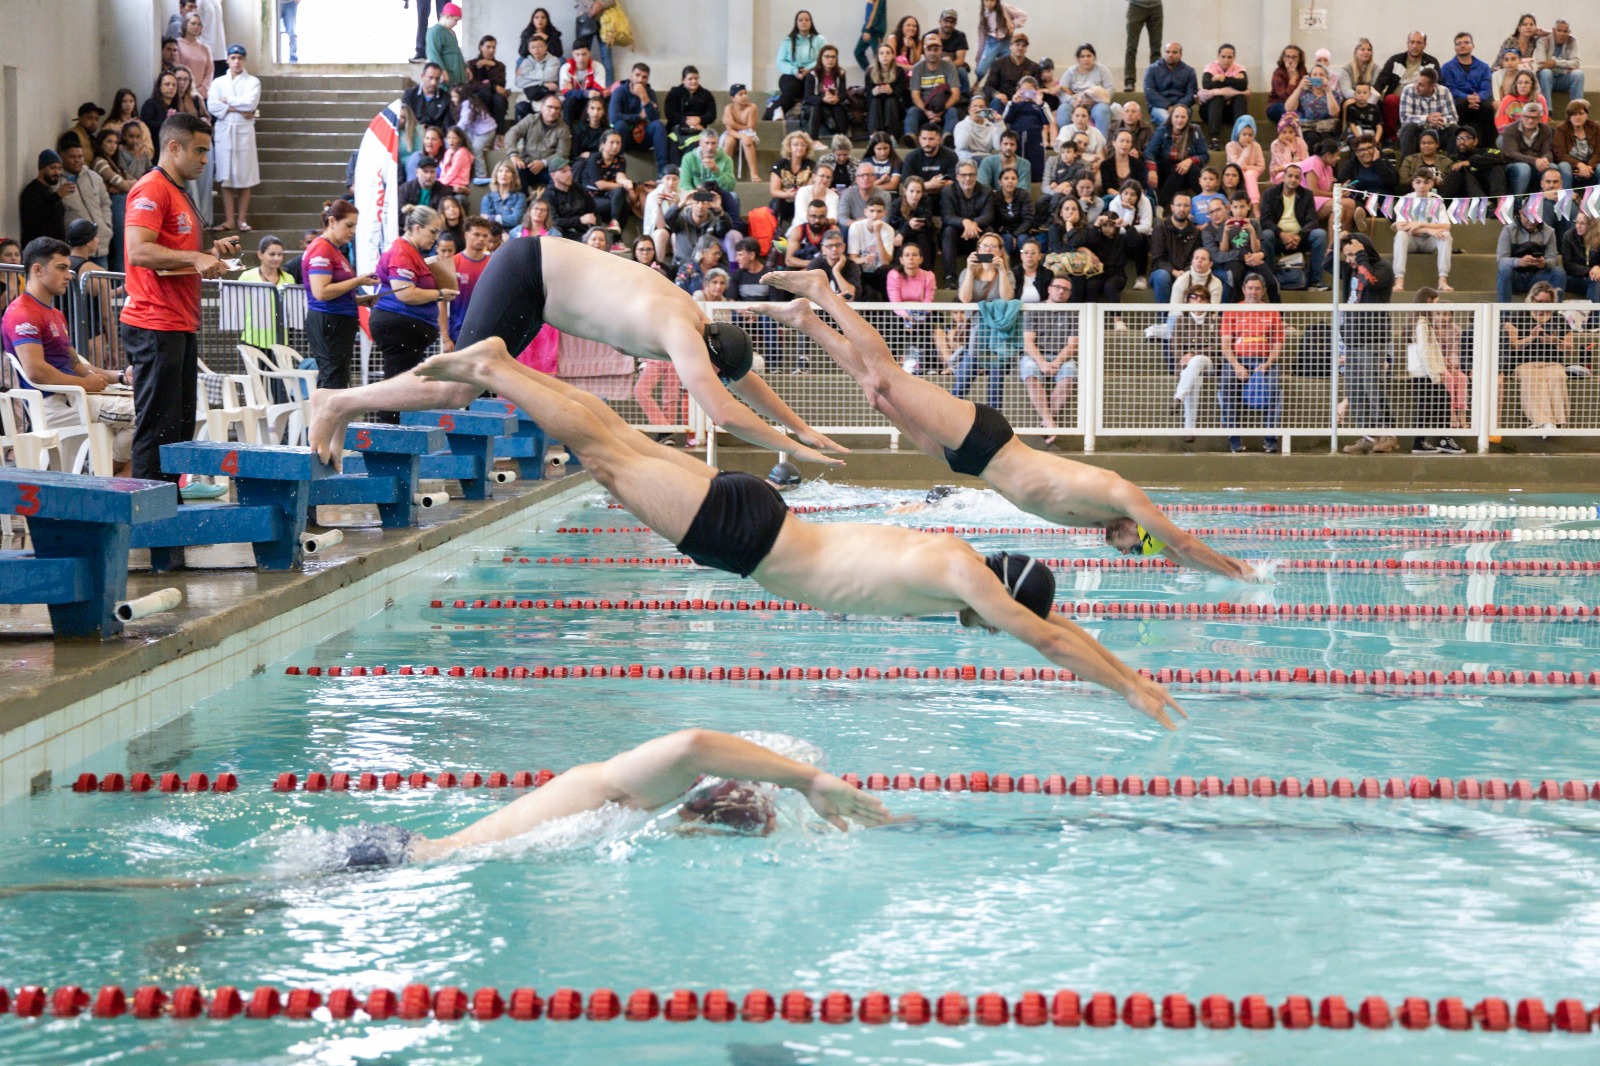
<point x="309" y="125"/>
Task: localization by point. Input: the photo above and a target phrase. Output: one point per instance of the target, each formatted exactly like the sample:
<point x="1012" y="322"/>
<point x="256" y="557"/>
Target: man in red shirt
<point x="470" y="262"/>
<point x="35" y="333"/>
<point x="165" y="264"/>
<point x="1252" y="342"/>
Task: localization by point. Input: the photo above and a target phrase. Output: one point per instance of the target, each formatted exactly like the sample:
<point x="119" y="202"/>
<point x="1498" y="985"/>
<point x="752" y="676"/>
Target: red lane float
<point x="1140" y="608"/>
<point x="1279" y="566"/>
<point x="1063" y="1009"/>
<point x="1442" y="536"/>
<point x="1414" y="787"/>
<point x="1224" y="678"/>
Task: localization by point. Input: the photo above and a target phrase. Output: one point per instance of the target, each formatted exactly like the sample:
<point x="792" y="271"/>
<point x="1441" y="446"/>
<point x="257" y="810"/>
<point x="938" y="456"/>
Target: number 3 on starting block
<point x="28" y="505"/>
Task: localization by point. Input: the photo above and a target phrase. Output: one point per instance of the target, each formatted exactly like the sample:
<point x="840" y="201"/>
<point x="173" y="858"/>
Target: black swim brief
<point x="508" y="299"/>
<point x="737" y="524"/>
<point x="989" y="433"/>
<point x="374" y="845"/>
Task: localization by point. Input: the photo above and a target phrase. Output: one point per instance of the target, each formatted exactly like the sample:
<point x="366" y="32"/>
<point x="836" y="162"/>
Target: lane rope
<point x="1065" y="1008"/>
<point x="1273" y="532"/>
<point x="1371" y="680"/>
<point x="1140" y="608"/>
<point x="1416" y="787"/>
<point x="1408" y="510"/>
<point x="1498" y="566"/>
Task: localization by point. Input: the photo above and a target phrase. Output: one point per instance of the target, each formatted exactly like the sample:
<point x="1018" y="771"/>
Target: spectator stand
<point x="82" y="528"/>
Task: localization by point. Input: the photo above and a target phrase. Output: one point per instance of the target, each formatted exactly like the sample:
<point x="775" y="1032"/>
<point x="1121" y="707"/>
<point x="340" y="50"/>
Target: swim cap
<point x="1027" y="580"/>
<point x="730" y="351"/>
<point x="1148" y="544"/>
<point x="938" y="492"/>
<point x="785" y="475"/>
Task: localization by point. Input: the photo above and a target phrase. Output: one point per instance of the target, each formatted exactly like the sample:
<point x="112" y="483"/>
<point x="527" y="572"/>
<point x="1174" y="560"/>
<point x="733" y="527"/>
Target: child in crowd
<point x="455" y="170"/>
<point x="739" y="126"/>
<point x="1244" y="153"/>
<point x="1210" y="189"/>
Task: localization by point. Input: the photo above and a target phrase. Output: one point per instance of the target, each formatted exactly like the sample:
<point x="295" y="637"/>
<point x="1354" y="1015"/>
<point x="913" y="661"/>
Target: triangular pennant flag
<point x="1591" y="202"/>
<point x="1386" y="205"/>
<point x="1533" y="211"/>
<point x="1480" y="209"/>
<point x="1564" y="204"/>
<point x="1506" y="209"/>
<point x="1372" y="203"/>
<point x="1457" y="212"/>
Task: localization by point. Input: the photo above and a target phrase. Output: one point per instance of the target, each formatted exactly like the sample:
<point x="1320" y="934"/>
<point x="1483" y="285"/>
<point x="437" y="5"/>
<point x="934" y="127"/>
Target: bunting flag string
<point x="1477" y="209"/>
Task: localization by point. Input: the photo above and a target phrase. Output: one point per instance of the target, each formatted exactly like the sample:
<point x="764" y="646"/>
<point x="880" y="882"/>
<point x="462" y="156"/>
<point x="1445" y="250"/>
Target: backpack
<point x="615" y="29"/>
<point x="761" y="225"/>
<point x="1291" y="271"/>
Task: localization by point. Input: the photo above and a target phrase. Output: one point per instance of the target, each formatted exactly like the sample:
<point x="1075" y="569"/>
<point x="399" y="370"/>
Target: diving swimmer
<point x="581" y="291"/>
<point x="739" y="523"/>
<point x="977" y="440"/>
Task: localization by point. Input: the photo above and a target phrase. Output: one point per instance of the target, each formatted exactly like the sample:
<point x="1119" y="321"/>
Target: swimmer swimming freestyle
<point x="739" y="523"/>
<point x="532" y="281"/>
<point x="977" y="440"/>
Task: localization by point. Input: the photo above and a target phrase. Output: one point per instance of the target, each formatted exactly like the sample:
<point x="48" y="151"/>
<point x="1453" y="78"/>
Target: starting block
<point x="470" y="460"/>
<point x="527" y="445"/>
<point x="273" y="486"/>
<point x="81" y="528"/>
<point x="387" y="472"/>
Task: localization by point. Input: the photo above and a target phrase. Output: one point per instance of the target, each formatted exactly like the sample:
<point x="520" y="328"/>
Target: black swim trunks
<point x="989" y="433"/>
<point x="737" y="524"/>
<point x="374" y="845"/>
<point x="508" y="300"/>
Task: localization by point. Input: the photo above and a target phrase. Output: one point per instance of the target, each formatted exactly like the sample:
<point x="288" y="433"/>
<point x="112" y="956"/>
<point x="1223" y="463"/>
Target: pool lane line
<point x="1498" y="566"/>
<point x="1449" y="536"/>
<point x="1135" y="608"/>
<point x="1065" y="1008"/>
<point x="1411" y="510"/>
<point x="1465" y="789"/>
<point x="1414" y="682"/>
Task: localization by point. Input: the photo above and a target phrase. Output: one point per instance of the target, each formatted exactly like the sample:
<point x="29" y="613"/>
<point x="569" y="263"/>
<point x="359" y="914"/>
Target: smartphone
<point x="985" y="257"/>
<point x="1316" y="83"/>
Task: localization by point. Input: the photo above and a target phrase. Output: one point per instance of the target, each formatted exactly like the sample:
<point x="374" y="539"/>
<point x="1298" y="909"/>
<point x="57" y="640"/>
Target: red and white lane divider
<point x="1414" y="680"/>
<point x="1520" y="612"/>
<point x="1449" y="536"/>
<point x="1159" y="787"/>
<point x="1062" y="1009"/>
<point x="804" y="508"/>
<point x="1449" y="566"/>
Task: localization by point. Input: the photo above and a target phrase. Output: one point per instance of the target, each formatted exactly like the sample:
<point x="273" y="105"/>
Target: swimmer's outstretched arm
<point x="1062" y="642"/>
<point x="754" y="390"/>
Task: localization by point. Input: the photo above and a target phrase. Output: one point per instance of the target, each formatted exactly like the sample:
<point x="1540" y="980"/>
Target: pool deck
<point x="64" y="700"/>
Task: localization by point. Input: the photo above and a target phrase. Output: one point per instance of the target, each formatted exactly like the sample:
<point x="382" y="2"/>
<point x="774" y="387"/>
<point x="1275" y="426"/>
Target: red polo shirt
<point x="170" y="303"/>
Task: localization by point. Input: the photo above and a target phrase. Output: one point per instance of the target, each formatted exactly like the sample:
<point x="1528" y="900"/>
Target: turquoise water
<point x="977" y="893"/>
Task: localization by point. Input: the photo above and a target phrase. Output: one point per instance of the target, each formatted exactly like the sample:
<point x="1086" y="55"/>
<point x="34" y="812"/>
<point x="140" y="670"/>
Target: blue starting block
<point x="273" y="486"/>
<point x="384" y="473"/>
<point x="81" y="530"/>
<point x="527" y="445"/>
<point x="472" y="436"/>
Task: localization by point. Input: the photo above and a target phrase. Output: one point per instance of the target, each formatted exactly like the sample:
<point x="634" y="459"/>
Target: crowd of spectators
<point x="947" y="162"/>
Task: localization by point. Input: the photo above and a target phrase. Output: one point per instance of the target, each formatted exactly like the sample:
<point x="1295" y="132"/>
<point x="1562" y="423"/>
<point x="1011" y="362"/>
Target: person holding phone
<point x="332" y="296"/>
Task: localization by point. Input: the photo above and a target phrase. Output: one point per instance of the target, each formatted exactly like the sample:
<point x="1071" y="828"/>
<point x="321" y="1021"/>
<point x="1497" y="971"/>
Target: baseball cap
<point x="557" y="161"/>
<point x="947" y="13"/>
<point x="48" y="157"/>
<point x="81" y="231"/>
<point x="237" y="50"/>
<point x="736" y="88"/>
<point x="90" y="108"/>
<point x="1021" y="38"/>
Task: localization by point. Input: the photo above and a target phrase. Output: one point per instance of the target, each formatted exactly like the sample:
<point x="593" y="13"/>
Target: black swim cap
<point x="938" y="492"/>
<point x="1029" y="581"/>
<point x="730" y="351"/>
<point x="785" y="475"/>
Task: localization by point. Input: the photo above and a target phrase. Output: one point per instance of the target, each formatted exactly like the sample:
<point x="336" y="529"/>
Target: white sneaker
<point x="1577" y="370"/>
<point x="911" y="365"/>
<point x="1140" y="284"/>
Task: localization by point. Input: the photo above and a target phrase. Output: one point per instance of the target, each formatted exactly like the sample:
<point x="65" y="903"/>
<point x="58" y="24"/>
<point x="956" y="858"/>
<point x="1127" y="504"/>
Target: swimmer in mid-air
<point x="975" y="439"/>
<point x="595" y="295"/>
<point x="739" y="523"/>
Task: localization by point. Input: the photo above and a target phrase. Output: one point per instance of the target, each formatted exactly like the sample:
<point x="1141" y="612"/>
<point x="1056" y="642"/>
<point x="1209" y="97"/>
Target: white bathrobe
<point x="233" y="146"/>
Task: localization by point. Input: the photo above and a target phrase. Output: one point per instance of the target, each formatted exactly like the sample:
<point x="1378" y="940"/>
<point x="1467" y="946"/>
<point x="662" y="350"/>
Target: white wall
<point x="668" y="34"/>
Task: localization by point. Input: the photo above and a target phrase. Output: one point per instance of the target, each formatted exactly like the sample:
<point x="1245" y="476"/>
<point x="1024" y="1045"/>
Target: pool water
<point x="976" y="893"/>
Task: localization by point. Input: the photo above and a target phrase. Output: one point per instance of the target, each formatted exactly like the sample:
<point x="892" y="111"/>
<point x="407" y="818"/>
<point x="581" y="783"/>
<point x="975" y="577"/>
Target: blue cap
<point x="237" y="50"/>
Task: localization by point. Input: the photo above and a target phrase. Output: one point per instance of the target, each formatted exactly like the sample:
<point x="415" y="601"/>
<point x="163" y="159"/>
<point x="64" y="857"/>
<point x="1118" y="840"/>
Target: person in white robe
<point x="233" y="100"/>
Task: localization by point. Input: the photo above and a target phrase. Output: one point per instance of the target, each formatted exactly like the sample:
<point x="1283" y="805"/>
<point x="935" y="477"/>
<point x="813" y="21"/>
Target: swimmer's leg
<point x="117" y="884"/>
<point x="333" y="409"/>
<point x="929" y="415"/>
<point x="665" y="495"/>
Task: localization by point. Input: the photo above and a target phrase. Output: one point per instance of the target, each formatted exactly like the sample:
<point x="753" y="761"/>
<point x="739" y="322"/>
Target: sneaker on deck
<point x="1424" y="448"/>
<point x="1384" y="445"/>
<point x="1448" y="446"/>
<point x="190" y="488"/>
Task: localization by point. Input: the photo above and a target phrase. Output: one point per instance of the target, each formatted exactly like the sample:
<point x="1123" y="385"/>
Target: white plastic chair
<point x="236" y="410"/>
<point x="286" y="417"/>
<point x="85" y="444"/>
<point x="30" y="449"/>
<point x="289" y="361"/>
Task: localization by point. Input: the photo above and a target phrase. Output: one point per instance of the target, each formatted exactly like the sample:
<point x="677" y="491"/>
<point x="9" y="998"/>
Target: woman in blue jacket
<point x="796" y="56"/>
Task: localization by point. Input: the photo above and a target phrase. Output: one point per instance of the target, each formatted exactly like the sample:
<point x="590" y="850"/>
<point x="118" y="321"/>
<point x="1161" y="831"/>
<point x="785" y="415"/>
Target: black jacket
<point x="1171" y="249"/>
<point x="411" y="193"/>
<point x="681" y="103"/>
<point x="1389" y="81"/>
<point x="1388" y="176"/>
<point x="979" y="207"/>
<point x="1373" y="283"/>
<point x="568" y="208"/>
<point x="1305" y="208"/>
<point x="1015" y="217"/>
<point x="42" y="212"/>
<point x="552" y="39"/>
<point x="435" y="112"/>
<point x="917" y="163"/>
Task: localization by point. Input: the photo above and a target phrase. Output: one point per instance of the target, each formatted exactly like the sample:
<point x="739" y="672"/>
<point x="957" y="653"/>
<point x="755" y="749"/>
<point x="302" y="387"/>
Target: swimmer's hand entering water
<point x="836" y="800"/>
<point x="1150" y="698"/>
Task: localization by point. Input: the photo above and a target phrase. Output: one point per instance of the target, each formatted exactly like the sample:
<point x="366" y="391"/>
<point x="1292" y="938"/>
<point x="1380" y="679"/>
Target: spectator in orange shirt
<point x="1252" y="342"/>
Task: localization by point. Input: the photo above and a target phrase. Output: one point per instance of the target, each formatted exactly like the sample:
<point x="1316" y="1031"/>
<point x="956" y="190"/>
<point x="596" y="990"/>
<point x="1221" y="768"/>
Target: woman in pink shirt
<point x="1316" y="174"/>
<point x="456" y="168"/>
<point x="1245" y="153"/>
<point x="909" y="283"/>
<point x="193" y="53"/>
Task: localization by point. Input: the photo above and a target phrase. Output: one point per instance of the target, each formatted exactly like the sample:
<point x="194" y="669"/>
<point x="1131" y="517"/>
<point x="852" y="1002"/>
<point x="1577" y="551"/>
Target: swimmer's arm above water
<point x="754" y="390"/>
<point x="659" y="771"/>
<point x="1181" y="546"/>
<point x="721" y="406"/>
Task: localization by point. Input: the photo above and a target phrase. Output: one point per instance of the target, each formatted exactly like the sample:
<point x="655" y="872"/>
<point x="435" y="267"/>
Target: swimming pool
<point x="997" y="892"/>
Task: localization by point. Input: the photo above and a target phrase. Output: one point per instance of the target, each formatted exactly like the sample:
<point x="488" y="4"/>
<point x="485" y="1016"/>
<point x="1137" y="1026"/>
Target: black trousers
<point x="791" y="90"/>
<point x="1220" y="113"/>
<point x="1430" y="407"/>
<point x="166" y="379"/>
<point x="422" y="22"/>
<point x="404" y="342"/>
<point x="333" y="342"/>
